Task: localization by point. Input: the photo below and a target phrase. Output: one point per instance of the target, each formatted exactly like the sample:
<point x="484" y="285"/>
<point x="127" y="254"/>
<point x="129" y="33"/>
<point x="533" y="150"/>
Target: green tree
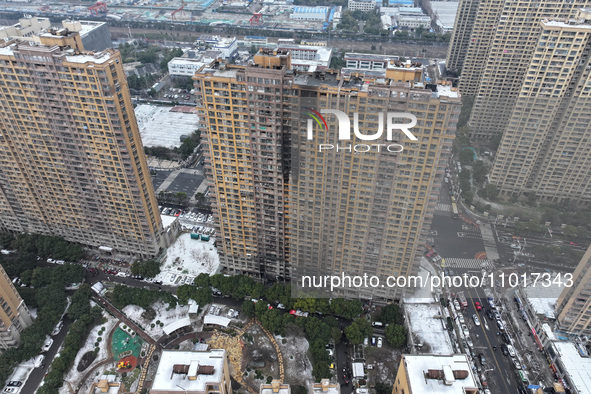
<point x="490" y="192"/>
<point x="479" y="172"/>
<point x="383" y="388"/>
<point x="570" y="231"/>
<point x="353" y="334"/>
<point x="248" y="308"/>
<point x="395" y="335"/>
<point x="147" y="269"/>
<point x="391" y="314"/>
<point x="466" y="157"/>
<point x="201" y="280"/>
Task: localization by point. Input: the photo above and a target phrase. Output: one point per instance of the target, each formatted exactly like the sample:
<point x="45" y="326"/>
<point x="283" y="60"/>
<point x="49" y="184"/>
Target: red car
<point x="477" y="305"/>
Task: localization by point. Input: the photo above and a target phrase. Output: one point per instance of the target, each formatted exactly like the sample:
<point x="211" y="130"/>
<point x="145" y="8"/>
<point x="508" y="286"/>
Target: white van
<point x="377" y="324"/>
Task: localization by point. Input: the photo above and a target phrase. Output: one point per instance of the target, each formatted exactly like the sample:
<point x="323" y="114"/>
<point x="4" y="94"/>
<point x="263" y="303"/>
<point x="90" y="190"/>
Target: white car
<point x="380" y="341"/>
<point x="461" y="319"/>
<point x="465" y="330"/>
<point x="511" y="350"/>
<point x="58" y="328"/>
<point x="47" y="345"/>
<point x="476" y="319"/>
<point x="38" y="362"/>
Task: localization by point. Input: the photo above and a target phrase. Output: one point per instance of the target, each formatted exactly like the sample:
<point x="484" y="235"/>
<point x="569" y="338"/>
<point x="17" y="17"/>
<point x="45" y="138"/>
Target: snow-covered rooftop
<point x="446" y="12"/>
<point x="98" y="58"/>
<point x="167" y="220"/>
<point x="160" y="126"/>
<point x="175" y="325"/>
<point x="165" y="381"/>
<point x="217" y="320"/>
<point x="578" y="368"/>
<point x="427" y="325"/>
<point x="417" y="366"/>
<point x="543" y="299"/>
<point x="447" y="90"/>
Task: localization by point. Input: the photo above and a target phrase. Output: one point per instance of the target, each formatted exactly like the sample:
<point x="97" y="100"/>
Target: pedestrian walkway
<point x="145" y="367"/>
<point x="443" y="207"/>
<point x="490" y="244"/>
<point x="454" y="262"/>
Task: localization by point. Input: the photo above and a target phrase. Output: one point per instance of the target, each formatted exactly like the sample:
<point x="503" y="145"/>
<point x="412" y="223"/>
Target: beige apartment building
<point x="503" y="37"/>
<point x="71" y="159"/>
<point x="461" y="34"/>
<point x="285" y="202"/>
<point x="14" y="315"/>
<point x="574" y="304"/>
<point x="544" y="149"/>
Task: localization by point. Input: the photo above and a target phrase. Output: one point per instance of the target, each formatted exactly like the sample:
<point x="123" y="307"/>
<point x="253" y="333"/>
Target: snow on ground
<point x="134" y="313"/>
<point x="298" y="368"/>
<point x="427" y="325"/>
<point x="73" y="375"/>
<point x="159" y="126"/>
<point x="187" y="258"/>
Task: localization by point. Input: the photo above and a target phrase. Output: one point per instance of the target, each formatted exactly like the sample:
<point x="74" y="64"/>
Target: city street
<point x="38" y="374"/>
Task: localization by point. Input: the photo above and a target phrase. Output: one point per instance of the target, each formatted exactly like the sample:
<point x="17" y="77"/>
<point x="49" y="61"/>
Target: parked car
<point x="38" y="362"/>
<point x="504" y="349"/>
<point x="373" y="341"/>
<point x="500" y="325"/>
<point x="15" y="383"/>
<point x="47" y="345"/>
<point x="58" y="328"/>
<point x="380" y="341"/>
<point x="490" y="314"/>
<point x="482" y="359"/>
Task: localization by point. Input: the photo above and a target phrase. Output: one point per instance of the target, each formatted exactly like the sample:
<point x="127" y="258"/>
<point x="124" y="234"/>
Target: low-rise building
<point x="192" y="372"/>
<point x="307" y="57"/>
<point x="362" y="5"/>
<point x="191" y="61"/>
<point x="309" y="13"/>
<point x="435" y="374"/>
<point x="226" y="45"/>
<point x="325" y="386"/>
<point x="275" y="387"/>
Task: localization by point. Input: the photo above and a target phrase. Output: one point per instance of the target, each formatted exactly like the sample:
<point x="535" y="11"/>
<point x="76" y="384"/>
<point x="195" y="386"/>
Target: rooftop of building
<point x="369" y="56"/>
<point x="427" y="325"/>
<point x="275" y="387"/>
<point x="310" y="10"/>
<point x="543" y="299"/>
<point x="70" y="55"/>
<point x="325" y="386"/>
<point x="446" y="12"/>
<point x="577" y="364"/>
<point x="439" y="374"/>
<point x="188" y="370"/>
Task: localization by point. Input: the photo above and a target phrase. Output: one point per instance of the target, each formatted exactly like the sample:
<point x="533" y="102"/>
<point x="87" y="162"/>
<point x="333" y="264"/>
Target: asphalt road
<point x="38" y="374"/>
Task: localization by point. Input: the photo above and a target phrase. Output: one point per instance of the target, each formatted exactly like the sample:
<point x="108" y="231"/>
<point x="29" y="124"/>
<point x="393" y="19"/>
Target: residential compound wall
<point x="285" y="207"/>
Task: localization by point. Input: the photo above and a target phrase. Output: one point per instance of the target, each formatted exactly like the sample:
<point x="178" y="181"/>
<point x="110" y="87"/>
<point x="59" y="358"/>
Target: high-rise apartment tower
<point x="288" y="205"/>
<point x="545" y="148"/>
<point x="574" y="304"/>
<point x="503" y="37"/>
<point x="14" y="315"/>
<point x="71" y="158"/>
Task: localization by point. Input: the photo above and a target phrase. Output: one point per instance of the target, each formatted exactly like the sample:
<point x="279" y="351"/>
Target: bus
<point x="454" y="210"/>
